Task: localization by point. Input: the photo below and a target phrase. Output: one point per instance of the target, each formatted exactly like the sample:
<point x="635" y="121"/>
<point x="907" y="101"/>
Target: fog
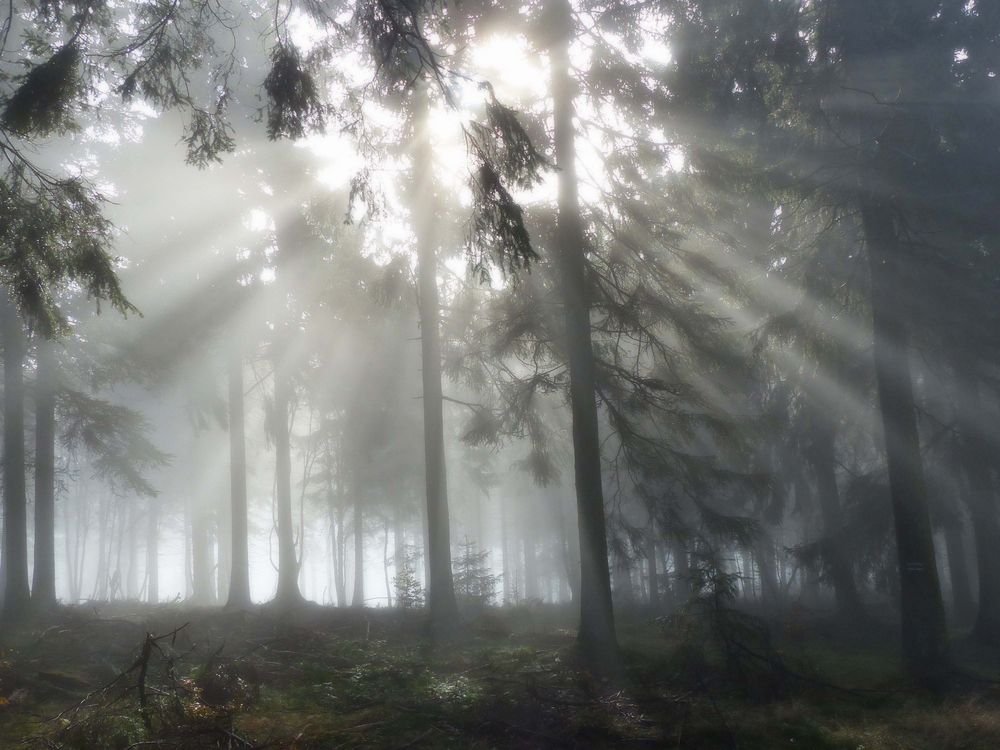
<point x="659" y="328"/>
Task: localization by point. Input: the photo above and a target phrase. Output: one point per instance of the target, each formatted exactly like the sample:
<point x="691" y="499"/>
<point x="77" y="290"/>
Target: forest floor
<point x="119" y="677"/>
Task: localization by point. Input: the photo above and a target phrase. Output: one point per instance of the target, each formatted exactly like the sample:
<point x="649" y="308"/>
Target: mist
<point x="571" y="374"/>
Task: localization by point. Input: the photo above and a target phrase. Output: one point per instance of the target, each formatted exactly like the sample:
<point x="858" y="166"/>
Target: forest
<point x="500" y="373"/>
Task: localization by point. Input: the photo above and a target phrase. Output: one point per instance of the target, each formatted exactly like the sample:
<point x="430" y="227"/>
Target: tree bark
<point x="16" y="591"/>
<point x="239" y="577"/>
<point x="43" y="589"/>
<point x="923" y="629"/>
<point x="597" y="624"/>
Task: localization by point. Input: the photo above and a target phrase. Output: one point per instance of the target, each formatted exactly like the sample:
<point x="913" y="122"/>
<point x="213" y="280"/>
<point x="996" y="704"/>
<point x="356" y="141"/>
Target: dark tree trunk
<point x="43" y="589"/>
<point x="924" y="633"/>
<point x="822" y="457"/>
<point x="288" y="569"/>
<point x="239" y="578"/>
<point x="440" y="585"/>
<point x="597" y="622"/>
<point x="16" y="591"/>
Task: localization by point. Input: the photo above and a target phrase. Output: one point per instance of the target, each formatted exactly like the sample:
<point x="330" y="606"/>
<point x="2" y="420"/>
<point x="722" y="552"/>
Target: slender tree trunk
<point x="288" y="574"/>
<point x="339" y="573"/>
<point x="132" y="575"/>
<point x="529" y="520"/>
<point x="399" y="542"/>
<point x="440" y="585"/>
<point x="16" y="591"/>
<point x="822" y="457"/>
<point x="385" y="563"/>
<point x="100" y="591"/>
<point x="153" y="552"/>
<point x="506" y="570"/>
<point x="358" y="599"/>
<point x="597" y="623"/>
<point x="43" y="589"/>
<point x="71" y="543"/>
<point x="202" y="588"/>
<point x="924" y="633"/>
<point x="188" y="552"/>
<point x="239" y="577"/>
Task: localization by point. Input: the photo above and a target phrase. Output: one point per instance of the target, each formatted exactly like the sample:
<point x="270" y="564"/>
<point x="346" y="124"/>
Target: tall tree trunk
<point x="43" y="589"/>
<point x="339" y="572"/>
<point x="924" y="633"/>
<point x="239" y="577"/>
<point x="597" y="623"/>
<point x="975" y="459"/>
<point x="358" y="598"/>
<point x="16" y="592"/>
<point x="529" y="521"/>
<point x="71" y="543"/>
<point x="440" y="585"/>
<point x="385" y="562"/>
<point x="399" y="542"/>
<point x="288" y="573"/>
<point x="507" y="572"/>
<point x="822" y="456"/>
<point x="153" y="552"/>
<point x="132" y="574"/>
<point x="202" y="557"/>
<point x="100" y="591"/>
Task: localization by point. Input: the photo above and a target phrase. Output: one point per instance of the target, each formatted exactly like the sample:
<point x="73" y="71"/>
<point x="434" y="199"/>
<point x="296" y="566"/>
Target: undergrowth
<point x="712" y="676"/>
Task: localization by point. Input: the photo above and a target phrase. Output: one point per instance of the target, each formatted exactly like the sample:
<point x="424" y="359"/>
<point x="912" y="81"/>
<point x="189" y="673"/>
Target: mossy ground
<point x="321" y="678"/>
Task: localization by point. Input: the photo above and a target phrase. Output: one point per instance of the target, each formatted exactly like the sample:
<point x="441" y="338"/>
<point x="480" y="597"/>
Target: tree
<point x="440" y="588"/>
<point x="16" y="591"/>
<point x="597" y="628"/>
<point x="43" y="588"/>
